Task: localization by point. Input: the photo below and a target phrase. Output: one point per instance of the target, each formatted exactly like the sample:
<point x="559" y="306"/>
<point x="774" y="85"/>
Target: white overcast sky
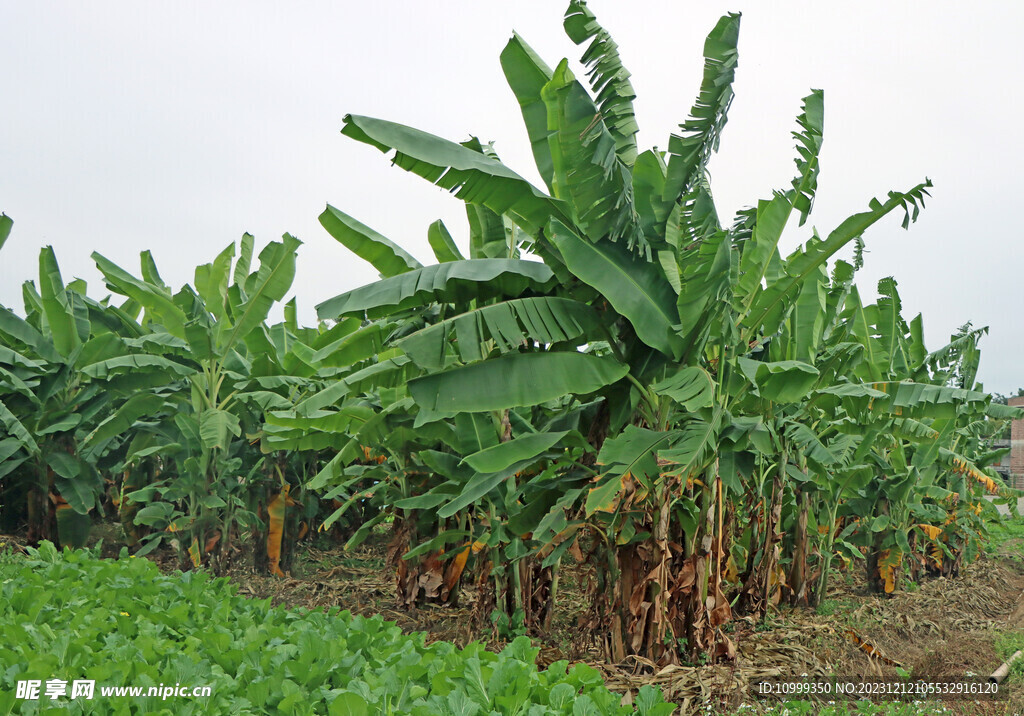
<point x="177" y="126"/>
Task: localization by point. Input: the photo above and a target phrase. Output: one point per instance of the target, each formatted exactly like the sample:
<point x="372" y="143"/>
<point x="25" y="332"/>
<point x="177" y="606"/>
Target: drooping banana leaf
<point x="353" y="348"/>
<point x="544" y="319"/>
<point x="122" y="419"/>
<point x="442" y="243"/>
<point x="634" y="287"/>
<point x="503" y="455"/>
<point x="16" y="429"/>
<point x="76" y="480"/>
<point x="384" y="255"/>
<point x="917" y="400"/>
<point x="137" y="362"/>
<point x="452" y="282"/>
<point x="514" y="380"/>
<point x="474" y="177"/>
<point x="20" y="330"/>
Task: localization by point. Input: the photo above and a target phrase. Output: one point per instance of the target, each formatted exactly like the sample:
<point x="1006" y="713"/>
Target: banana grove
<point x="613" y="374"/>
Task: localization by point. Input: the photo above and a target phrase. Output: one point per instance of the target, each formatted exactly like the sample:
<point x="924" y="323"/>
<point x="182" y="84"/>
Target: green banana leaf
<point x="215" y="426"/>
<point x="59" y="314"/>
<point x="16" y="429"/>
<point x="526" y="75"/>
<point x="765" y="315"/>
<point x="454" y="281"/>
<point x="154" y="299"/>
<point x="691" y="387"/>
<point x="514" y="380"/>
<point x="699" y="135"/>
<point x="635" y="288"/>
<point x="544" y="319"/>
<point x="21" y="331"/>
<point x="608" y="77"/>
<point x="503" y="455"/>
<point x="122" y="419"/>
<point x="588" y="173"/>
<point x="6" y="223"/>
<point x="473" y="177"/>
<point x="384" y="255"/>
<point x="442" y="243"/>
<point x="268" y="285"/>
<point x="134" y="363"/>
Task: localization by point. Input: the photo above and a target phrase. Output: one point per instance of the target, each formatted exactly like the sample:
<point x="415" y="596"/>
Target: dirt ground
<point x="946" y="629"/>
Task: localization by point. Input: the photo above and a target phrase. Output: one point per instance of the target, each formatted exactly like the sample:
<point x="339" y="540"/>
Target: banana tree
<point x="410" y="306"/>
<point x="48" y="401"/>
<point x="920" y="418"/>
<point x="201" y="345"/>
<point x="647" y="304"/>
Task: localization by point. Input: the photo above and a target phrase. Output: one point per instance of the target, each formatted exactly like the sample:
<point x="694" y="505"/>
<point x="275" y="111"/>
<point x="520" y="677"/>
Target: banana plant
<point x="646" y="304"/>
<point x="205" y="342"/>
<point x="48" y="402"/>
<point x="914" y="418"/>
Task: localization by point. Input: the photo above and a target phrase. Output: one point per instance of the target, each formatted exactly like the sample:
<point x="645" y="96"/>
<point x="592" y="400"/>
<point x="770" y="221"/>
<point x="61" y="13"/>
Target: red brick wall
<point x="1017" y="446"/>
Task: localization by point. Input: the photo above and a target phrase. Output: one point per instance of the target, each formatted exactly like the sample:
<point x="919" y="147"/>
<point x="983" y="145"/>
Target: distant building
<point x="1016" y="474"/>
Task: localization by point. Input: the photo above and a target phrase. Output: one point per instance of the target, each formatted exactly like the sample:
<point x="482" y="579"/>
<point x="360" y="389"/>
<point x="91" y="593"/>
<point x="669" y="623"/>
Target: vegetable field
<point x="608" y="381"/>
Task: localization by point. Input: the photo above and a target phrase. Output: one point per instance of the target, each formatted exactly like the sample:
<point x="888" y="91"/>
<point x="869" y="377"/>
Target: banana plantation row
<point x="711" y="425"/>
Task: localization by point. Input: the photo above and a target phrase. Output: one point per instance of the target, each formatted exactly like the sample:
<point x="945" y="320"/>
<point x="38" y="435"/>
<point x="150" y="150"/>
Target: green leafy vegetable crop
<point x="123" y="623"/>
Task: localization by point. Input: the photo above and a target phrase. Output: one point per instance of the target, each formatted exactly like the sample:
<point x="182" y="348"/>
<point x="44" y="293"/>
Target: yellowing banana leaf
<point x="275" y="529"/>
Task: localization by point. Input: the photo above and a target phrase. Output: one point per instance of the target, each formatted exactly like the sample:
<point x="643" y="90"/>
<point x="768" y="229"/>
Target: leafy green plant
<point x="508" y="627"/>
<point x="51" y="400"/>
